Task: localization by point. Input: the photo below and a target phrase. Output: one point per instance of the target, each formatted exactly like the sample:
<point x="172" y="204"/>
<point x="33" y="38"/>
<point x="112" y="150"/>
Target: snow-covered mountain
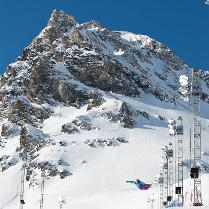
<point x="91" y="105"/>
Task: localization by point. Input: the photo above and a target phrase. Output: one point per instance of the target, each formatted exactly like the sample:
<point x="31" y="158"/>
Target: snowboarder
<point x="141" y="185"/>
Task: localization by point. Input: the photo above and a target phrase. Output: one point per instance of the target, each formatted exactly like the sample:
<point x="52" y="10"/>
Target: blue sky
<point x="182" y="25"/>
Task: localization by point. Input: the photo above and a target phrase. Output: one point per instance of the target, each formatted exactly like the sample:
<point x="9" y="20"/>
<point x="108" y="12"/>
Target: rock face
<point x="32" y="140"/>
<point x="81" y="65"/>
<point x="9" y="129"/>
<point x="67" y="57"/>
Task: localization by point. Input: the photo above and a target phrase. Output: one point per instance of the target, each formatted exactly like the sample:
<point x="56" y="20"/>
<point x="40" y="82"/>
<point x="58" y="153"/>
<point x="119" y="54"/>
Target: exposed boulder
<point x="77" y="125"/>
<point x="95" y="100"/>
<point x="68" y="128"/>
<point x="84" y="123"/>
<point x="64" y="173"/>
<point x="9" y="129"/>
<point x="105" y="142"/>
<point x="125" y="116"/>
<point x="124" y="110"/>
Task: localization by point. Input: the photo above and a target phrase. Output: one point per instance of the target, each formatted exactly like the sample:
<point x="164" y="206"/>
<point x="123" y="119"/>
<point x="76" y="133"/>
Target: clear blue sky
<point x="182" y="25"/>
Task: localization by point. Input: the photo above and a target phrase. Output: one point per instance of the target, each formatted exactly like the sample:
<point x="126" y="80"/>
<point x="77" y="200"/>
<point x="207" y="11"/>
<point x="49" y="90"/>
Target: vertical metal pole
<point x="161" y="182"/>
<point x="22" y="183"/>
<point x="179" y="137"/>
<point x="42" y="186"/>
<point x="165" y="177"/>
<point x="196" y="95"/>
<point x="170" y="171"/>
<point x="171" y="158"/>
<point x="151" y="199"/>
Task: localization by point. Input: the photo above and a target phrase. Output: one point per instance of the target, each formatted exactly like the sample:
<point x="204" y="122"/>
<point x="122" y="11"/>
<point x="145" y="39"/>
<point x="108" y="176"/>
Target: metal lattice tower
<point x="22" y="184"/>
<point x="160" y="182"/>
<point x="196" y="133"/>
<point x="165" y="177"/>
<point x="179" y="138"/>
<point x="172" y="133"/>
<point x="170" y="172"/>
<point x="42" y="186"/>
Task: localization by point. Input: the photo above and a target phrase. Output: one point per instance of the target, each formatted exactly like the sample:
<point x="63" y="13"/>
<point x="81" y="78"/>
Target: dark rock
<point x="80" y="123"/>
<point x="94" y="143"/>
<point x="127" y="122"/>
<point x="64" y="174"/>
<point x="95" y="100"/>
<point x="161" y="117"/>
<point x="58" y="24"/>
<point x="62" y="143"/>
<point x="59" y="162"/>
<point x="32" y="140"/>
<point x="124" y="110"/>
<point x="125" y="116"/>
<point x="8" y="129"/>
<point x="68" y="128"/>
<point x="67" y="93"/>
<point x="145" y="114"/>
<point x="84" y="123"/>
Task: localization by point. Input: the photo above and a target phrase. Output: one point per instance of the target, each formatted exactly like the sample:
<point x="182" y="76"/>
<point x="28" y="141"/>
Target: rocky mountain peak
<point x="58" y="24"/>
<point x="61" y="19"/>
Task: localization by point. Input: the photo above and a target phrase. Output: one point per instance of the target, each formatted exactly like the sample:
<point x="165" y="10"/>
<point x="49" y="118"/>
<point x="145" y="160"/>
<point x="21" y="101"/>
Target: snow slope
<point x="100" y="174"/>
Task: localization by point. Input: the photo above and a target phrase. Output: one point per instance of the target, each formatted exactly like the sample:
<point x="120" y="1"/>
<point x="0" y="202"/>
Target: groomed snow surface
<point x="99" y="175"/>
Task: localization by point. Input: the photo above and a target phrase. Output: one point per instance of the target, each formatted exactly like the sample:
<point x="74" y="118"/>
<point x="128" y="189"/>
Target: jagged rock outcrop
<point x="105" y="142"/>
<point x="95" y="100"/>
<point x="32" y="140"/>
<point x="125" y="116"/>
<point x="8" y="129"/>
<point x="80" y="123"/>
